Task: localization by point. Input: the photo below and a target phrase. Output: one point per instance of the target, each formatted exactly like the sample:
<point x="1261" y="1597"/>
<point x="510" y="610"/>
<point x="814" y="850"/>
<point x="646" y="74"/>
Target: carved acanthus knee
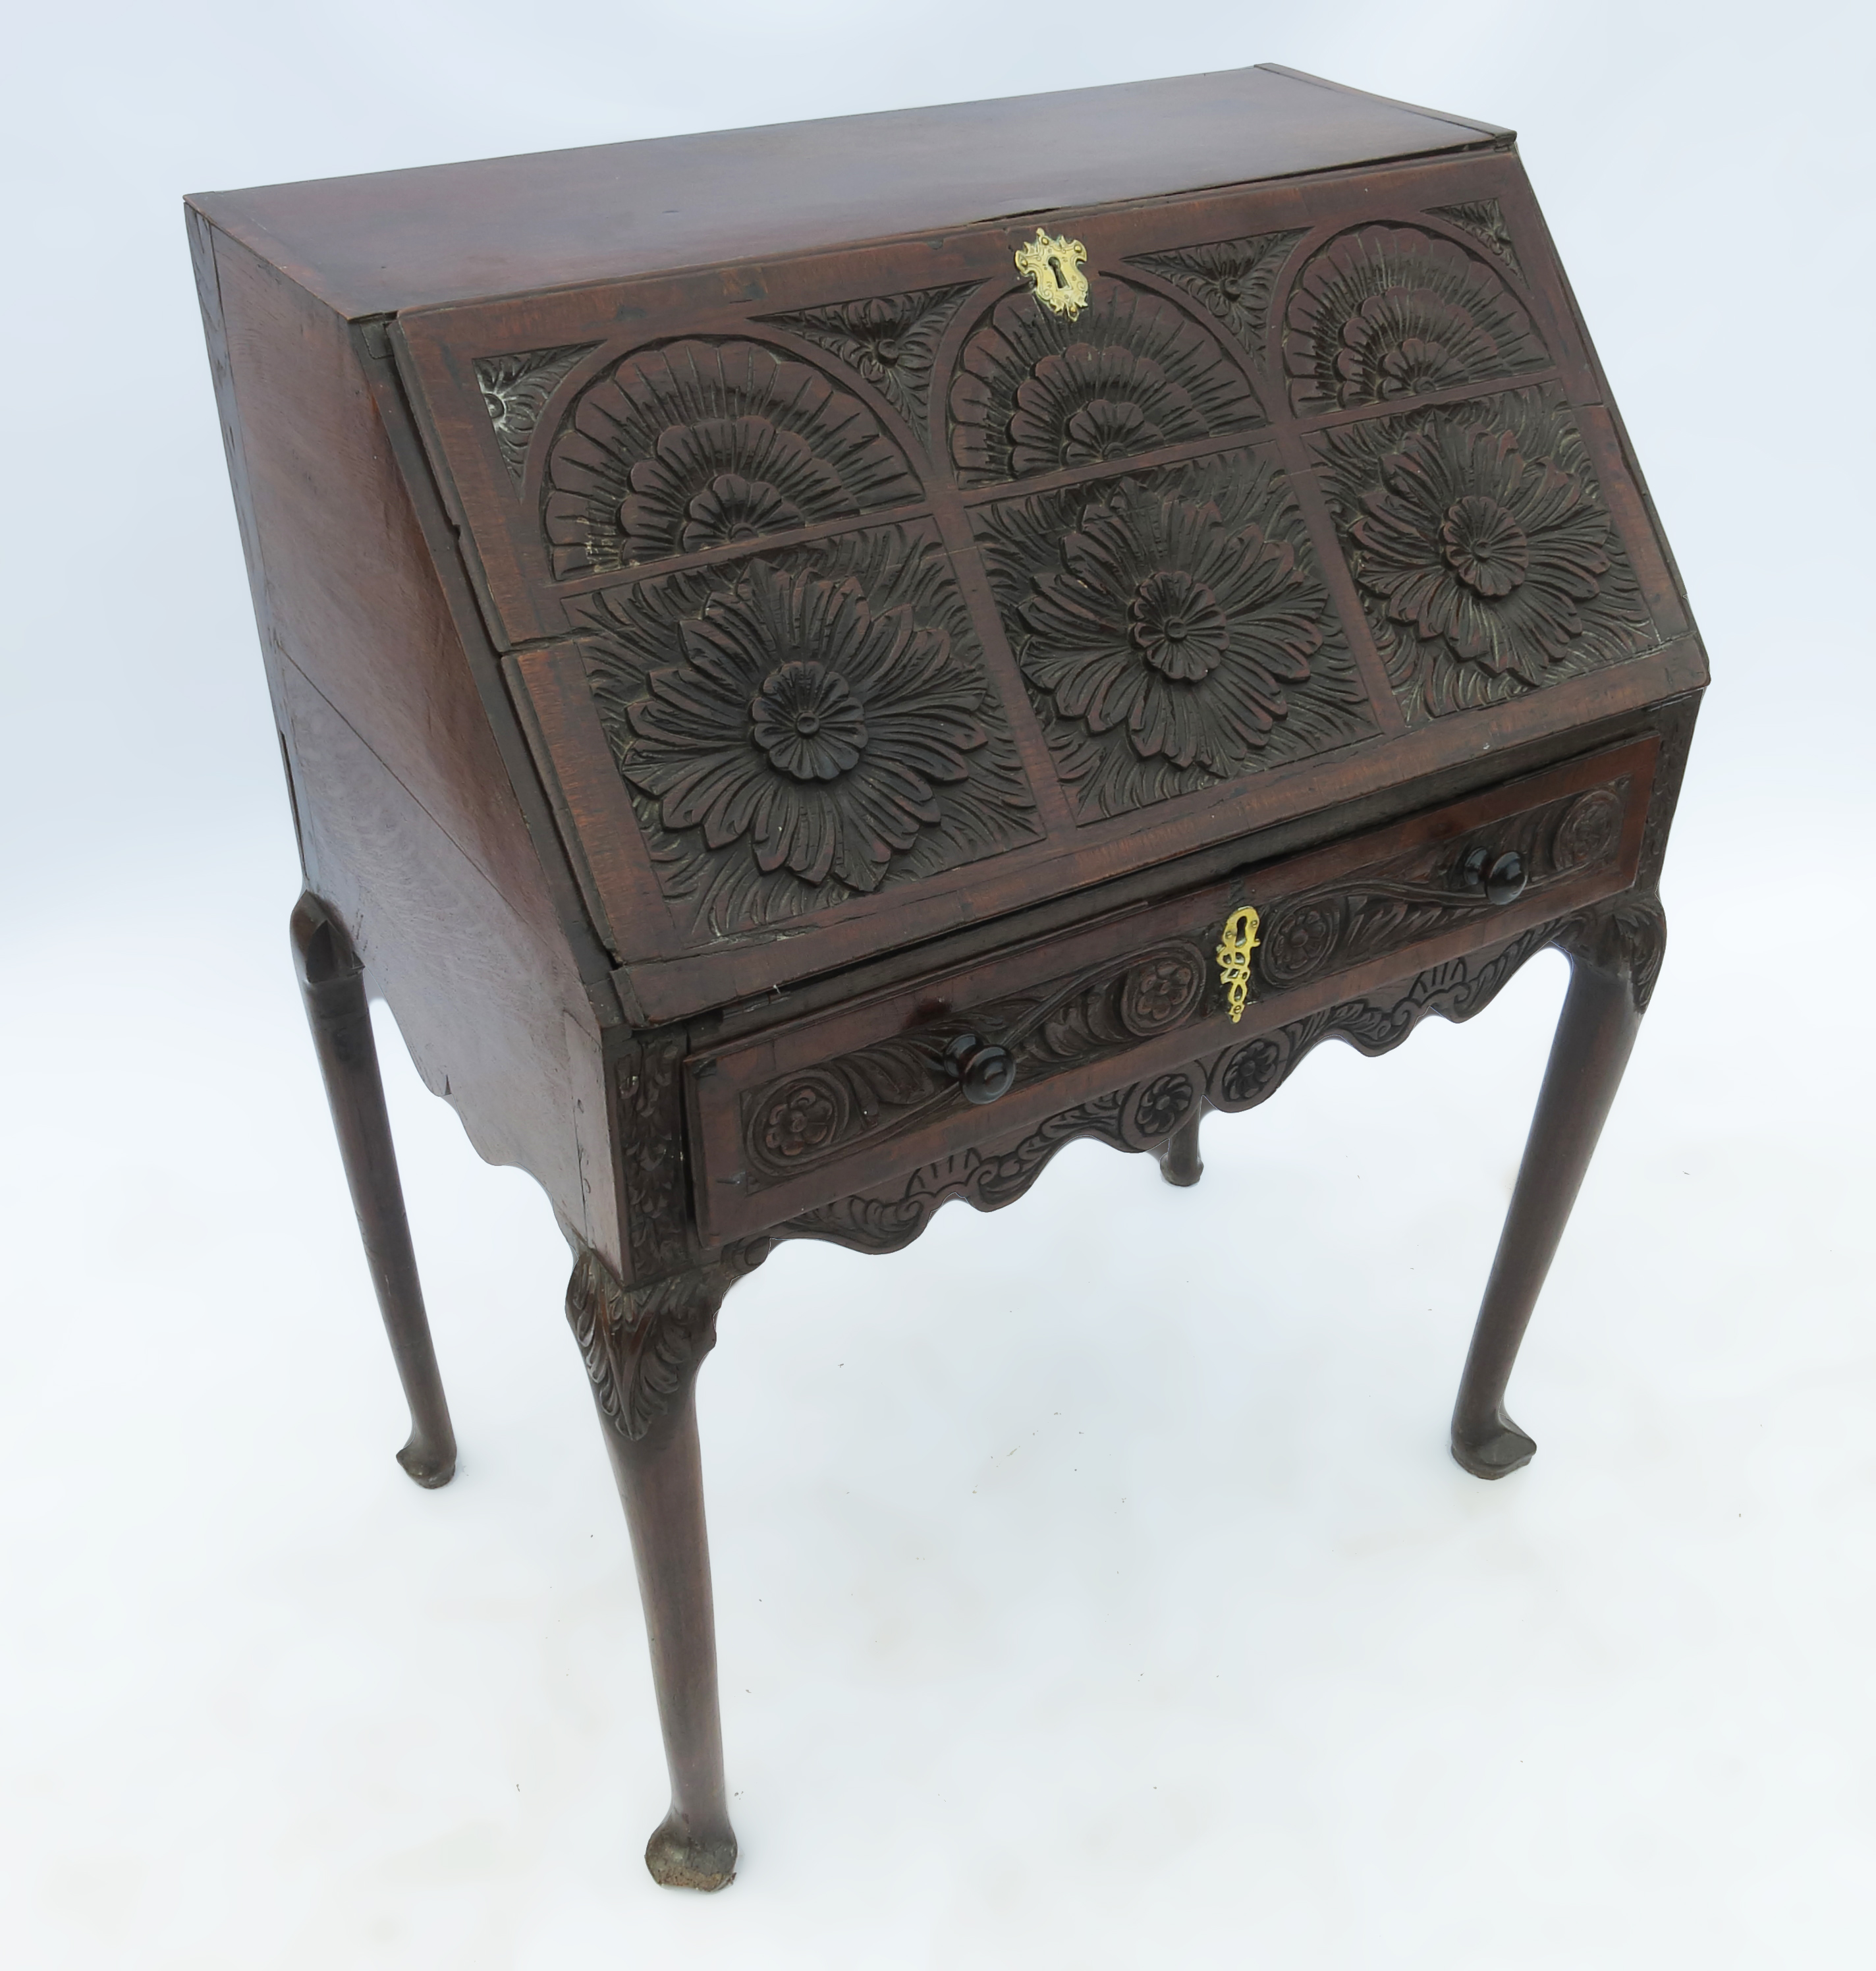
<point x="1624" y="936"/>
<point x="643" y="1346"/>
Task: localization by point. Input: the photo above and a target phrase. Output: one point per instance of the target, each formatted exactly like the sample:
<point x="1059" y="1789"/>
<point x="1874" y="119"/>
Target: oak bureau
<point x="817" y="665"/>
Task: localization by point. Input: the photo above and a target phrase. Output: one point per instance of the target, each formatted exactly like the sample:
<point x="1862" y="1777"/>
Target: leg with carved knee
<point x="1180" y="1162"/>
<point x="332" y="982"/>
<point x="642" y="1347"/>
<point x="1615" y="953"/>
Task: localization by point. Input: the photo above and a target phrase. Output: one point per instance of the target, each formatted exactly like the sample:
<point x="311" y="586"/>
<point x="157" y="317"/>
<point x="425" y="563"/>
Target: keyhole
<point x="1055" y="267"/>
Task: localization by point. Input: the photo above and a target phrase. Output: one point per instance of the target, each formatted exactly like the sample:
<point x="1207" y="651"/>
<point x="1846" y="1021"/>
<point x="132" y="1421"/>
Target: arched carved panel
<point x="1035" y="393"/>
<point x="697" y="444"/>
<point x="1384" y="313"/>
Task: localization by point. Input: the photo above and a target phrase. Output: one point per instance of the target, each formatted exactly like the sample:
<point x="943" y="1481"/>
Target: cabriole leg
<point x="1615" y="954"/>
<point x="643" y="1348"/>
<point x="333" y="983"/>
<point x="1180" y="1162"/>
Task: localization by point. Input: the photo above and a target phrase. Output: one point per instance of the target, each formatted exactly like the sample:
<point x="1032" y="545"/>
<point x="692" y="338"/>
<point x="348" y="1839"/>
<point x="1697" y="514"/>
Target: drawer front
<point x="813" y="1109"/>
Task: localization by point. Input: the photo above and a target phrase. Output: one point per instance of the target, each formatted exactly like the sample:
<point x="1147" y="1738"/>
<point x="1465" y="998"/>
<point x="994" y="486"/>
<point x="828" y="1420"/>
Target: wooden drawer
<point x="816" y="1108"/>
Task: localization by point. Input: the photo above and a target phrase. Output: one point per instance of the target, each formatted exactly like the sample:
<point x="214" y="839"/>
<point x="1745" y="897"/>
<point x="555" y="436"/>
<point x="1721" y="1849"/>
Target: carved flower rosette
<point x="1487" y="559"/>
<point x="799" y="729"/>
<point x="1173" y="630"/>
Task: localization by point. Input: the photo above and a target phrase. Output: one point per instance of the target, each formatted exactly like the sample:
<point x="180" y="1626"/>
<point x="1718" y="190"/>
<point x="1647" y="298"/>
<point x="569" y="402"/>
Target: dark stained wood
<point x="332" y="982"/>
<point x="859" y="1095"/>
<point x="411" y="239"/>
<point x="410" y="827"/>
<point x="783" y="718"/>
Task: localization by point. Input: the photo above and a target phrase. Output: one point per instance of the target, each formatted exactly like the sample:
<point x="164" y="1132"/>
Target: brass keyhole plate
<point x="1235" y="948"/>
<point x="1053" y="265"/>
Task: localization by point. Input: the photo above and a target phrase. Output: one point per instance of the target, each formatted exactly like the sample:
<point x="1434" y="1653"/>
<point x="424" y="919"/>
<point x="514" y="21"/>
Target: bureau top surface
<point x="392" y="240"/>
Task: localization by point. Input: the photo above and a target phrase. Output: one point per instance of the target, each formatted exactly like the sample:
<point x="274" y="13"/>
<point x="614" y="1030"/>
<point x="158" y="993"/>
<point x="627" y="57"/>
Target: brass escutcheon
<point x="1234" y="957"/>
<point x="1053" y="265"/>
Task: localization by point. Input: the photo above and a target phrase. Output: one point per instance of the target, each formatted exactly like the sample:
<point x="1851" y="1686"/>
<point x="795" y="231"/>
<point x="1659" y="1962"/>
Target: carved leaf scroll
<point x="515" y="391"/>
<point x="1421" y="894"/>
<point x="1236" y="279"/>
<point x="813" y="1115"/>
<point x="891" y="340"/>
<point x="1625" y="934"/>
<point x="1485" y="219"/>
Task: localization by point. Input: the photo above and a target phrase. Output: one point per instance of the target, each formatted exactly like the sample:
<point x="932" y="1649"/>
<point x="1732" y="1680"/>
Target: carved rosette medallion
<point x="890" y="340"/>
<point x="1487" y="561"/>
<point x="515" y="391"/>
<point x="804" y="728"/>
<point x="697" y="445"/>
<point x="1035" y="393"/>
<point x="1387" y="312"/>
<point x="1236" y="279"/>
<point x="1173" y="630"/>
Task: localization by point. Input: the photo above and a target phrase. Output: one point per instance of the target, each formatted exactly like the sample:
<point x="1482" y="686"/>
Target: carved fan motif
<point x="1035" y="393"/>
<point x="1390" y="311"/>
<point x="697" y="445"/>
<point x="891" y="340"/>
<point x="806" y="727"/>
<point x="1235" y="279"/>
<point x="1486" y="560"/>
<point x="1173" y="630"/>
<point x="515" y="391"/>
<point x="1485" y="219"/>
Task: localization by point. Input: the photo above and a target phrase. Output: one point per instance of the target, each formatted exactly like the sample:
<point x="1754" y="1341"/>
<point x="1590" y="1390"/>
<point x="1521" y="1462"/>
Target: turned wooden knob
<point x="980" y="1067"/>
<point x="1502" y="879"/>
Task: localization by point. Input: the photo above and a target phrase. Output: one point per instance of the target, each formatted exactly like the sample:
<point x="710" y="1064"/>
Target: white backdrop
<point x="1094" y="1588"/>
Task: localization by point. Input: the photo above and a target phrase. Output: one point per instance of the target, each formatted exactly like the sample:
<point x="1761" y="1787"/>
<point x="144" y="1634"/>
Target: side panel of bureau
<point x="408" y="826"/>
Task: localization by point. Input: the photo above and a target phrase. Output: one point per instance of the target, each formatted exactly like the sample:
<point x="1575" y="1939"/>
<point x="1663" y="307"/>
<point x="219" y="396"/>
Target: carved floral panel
<point x="1236" y="279"/>
<point x="1035" y="393"/>
<point x="696" y="445"/>
<point x="891" y="340"/>
<point x="1486" y="561"/>
<point x="804" y="727"/>
<point x="1172" y="630"/>
<point x="1386" y="312"/>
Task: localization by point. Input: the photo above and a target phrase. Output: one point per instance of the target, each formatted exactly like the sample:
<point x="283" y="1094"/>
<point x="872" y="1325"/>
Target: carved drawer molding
<point x="803" y="1110"/>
